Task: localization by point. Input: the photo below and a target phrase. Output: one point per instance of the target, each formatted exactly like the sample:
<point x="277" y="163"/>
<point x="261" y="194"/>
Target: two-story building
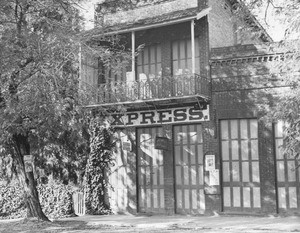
<point x="190" y="140"/>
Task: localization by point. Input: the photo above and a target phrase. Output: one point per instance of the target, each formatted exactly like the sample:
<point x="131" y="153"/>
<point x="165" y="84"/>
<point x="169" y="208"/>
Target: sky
<point x="272" y="22"/>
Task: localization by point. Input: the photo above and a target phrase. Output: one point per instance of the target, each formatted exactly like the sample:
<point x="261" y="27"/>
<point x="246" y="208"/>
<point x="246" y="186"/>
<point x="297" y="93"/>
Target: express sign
<point x="166" y="116"/>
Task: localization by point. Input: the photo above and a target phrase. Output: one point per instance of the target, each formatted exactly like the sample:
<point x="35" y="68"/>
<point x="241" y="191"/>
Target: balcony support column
<point x="193" y="46"/>
<point x="133" y="54"/>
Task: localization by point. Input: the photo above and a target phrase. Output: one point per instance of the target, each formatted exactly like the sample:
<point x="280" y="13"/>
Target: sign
<point x="126" y="146"/>
<point x="28" y="161"/>
<point x="214" y="177"/>
<point x="209" y="162"/>
<point x="164" y="116"/>
<point x="161" y="143"/>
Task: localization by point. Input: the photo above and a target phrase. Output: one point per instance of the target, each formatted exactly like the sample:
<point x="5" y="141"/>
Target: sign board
<point x="214" y="177"/>
<point x="164" y="116"/>
<point x="28" y="161"/>
<point x="209" y="162"/>
<point x="161" y="143"/>
<point x="126" y="146"/>
<point x="211" y="175"/>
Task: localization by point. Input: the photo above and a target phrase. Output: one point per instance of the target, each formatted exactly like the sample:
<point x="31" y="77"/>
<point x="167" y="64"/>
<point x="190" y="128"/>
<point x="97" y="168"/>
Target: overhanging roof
<point x="163" y="20"/>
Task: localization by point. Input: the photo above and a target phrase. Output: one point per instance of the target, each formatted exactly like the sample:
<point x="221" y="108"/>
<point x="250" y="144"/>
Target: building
<point x="190" y="140"/>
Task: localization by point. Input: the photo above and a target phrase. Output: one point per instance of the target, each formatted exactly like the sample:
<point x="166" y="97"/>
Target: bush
<point x="11" y="201"/>
<point x="55" y="197"/>
<point x="99" y="162"/>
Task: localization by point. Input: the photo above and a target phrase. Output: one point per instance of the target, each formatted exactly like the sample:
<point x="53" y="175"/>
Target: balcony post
<point x="193" y="46"/>
<point x="193" y="56"/>
<point x="133" y="54"/>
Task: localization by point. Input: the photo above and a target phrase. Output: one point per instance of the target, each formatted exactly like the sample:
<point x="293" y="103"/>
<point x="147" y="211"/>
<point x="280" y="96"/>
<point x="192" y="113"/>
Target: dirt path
<point x="154" y="224"/>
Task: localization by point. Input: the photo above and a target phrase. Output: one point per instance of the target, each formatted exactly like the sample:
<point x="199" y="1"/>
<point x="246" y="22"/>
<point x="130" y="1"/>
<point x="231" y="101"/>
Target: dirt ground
<point x="162" y="224"/>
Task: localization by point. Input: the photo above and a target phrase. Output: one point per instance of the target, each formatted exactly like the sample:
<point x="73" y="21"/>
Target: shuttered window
<point x="149" y="62"/>
<point x="288" y="178"/>
<point x="182" y="57"/>
<point x="240" y="165"/>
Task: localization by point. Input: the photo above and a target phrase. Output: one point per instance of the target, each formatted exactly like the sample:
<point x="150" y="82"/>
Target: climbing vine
<point x="98" y="167"/>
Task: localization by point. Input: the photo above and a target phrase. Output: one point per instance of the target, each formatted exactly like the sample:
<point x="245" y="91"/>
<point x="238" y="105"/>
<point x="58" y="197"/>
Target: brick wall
<point x="244" y="85"/>
<point x="225" y="29"/>
<point x="221" y="24"/>
<point x="148" y="11"/>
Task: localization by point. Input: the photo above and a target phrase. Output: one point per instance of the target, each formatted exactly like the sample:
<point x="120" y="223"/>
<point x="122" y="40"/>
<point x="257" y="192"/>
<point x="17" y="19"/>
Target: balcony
<point x="155" y="89"/>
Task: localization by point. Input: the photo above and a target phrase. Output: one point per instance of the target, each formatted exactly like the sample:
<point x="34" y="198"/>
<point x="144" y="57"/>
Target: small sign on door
<point x="126" y="146"/>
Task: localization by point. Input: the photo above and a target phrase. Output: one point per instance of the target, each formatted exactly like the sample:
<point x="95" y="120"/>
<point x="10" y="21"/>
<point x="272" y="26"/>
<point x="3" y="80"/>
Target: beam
<point x="133" y="55"/>
<point x="193" y="46"/>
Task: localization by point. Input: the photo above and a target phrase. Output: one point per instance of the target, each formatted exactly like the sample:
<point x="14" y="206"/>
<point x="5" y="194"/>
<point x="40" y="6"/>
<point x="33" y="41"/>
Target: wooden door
<point x="188" y="150"/>
<point x="288" y="178"/>
<point x="240" y="165"/>
<point x="150" y="172"/>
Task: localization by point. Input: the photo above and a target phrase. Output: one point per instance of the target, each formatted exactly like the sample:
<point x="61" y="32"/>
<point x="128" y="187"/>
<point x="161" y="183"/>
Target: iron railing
<point x="155" y="88"/>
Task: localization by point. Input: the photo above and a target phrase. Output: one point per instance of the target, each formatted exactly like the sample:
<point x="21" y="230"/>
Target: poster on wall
<point x="209" y="162"/>
<point x="214" y="177"/>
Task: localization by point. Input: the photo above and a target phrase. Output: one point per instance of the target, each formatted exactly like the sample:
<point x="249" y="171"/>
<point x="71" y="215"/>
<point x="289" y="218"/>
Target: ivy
<point x="98" y="166"/>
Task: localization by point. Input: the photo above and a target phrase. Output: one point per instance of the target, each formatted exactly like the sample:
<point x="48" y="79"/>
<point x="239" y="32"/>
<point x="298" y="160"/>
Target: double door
<point x="240" y="165"/>
<point x="187" y="170"/>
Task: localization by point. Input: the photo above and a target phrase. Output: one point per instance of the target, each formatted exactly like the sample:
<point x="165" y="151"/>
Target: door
<point x="240" y="165"/>
<point x="188" y="151"/>
<point x="150" y="172"/>
<point x="288" y="176"/>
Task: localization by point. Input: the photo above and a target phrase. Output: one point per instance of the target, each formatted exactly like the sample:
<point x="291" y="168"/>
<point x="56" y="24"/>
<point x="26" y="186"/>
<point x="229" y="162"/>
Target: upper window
<point x="182" y="57"/>
<point x="149" y="62"/>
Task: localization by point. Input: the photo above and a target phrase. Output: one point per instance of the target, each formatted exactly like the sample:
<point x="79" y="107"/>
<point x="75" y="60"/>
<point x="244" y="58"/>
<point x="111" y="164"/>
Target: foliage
<point x="98" y="166"/>
<point x="55" y="198"/>
<point x="11" y="201"/>
<point x="39" y="86"/>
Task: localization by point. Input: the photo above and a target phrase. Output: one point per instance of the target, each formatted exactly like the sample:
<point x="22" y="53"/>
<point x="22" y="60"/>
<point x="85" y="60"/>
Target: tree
<point x="286" y="108"/>
<point x="40" y="101"/>
<point x="38" y="80"/>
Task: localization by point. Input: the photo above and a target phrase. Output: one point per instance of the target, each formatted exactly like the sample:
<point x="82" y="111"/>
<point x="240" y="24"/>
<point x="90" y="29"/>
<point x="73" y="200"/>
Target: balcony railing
<point x="155" y="88"/>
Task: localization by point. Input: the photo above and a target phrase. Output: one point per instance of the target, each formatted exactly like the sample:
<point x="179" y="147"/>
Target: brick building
<point x="191" y="141"/>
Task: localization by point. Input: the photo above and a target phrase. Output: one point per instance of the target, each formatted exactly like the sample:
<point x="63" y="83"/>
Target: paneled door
<point x="188" y="151"/>
<point x="150" y="172"/>
<point x="288" y="177"/>
<point x="240" y="165"/>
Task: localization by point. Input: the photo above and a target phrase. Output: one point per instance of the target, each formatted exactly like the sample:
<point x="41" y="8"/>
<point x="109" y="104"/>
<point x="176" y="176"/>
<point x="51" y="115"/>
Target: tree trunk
<point x="27" y="180"/>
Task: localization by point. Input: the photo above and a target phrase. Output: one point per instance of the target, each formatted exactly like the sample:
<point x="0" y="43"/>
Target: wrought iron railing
<point x="155" y="88"/>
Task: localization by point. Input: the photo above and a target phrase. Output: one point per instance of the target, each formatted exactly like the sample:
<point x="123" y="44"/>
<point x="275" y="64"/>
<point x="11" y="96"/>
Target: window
<point x="149" y="63"/>
<point x="182" y="57"/>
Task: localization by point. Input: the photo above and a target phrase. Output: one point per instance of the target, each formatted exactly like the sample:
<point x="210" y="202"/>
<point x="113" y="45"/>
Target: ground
<point x="161" y="224"/>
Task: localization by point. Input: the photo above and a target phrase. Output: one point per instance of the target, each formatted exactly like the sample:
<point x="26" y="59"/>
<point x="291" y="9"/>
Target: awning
<point x="164" y="20"/>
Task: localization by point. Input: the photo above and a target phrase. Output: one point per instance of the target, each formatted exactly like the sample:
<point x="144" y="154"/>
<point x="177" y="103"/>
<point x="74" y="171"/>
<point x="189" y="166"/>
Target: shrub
<point x="99" y="162"/>
<point x="11" y="201"/>
<point x="55" y="197"/>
